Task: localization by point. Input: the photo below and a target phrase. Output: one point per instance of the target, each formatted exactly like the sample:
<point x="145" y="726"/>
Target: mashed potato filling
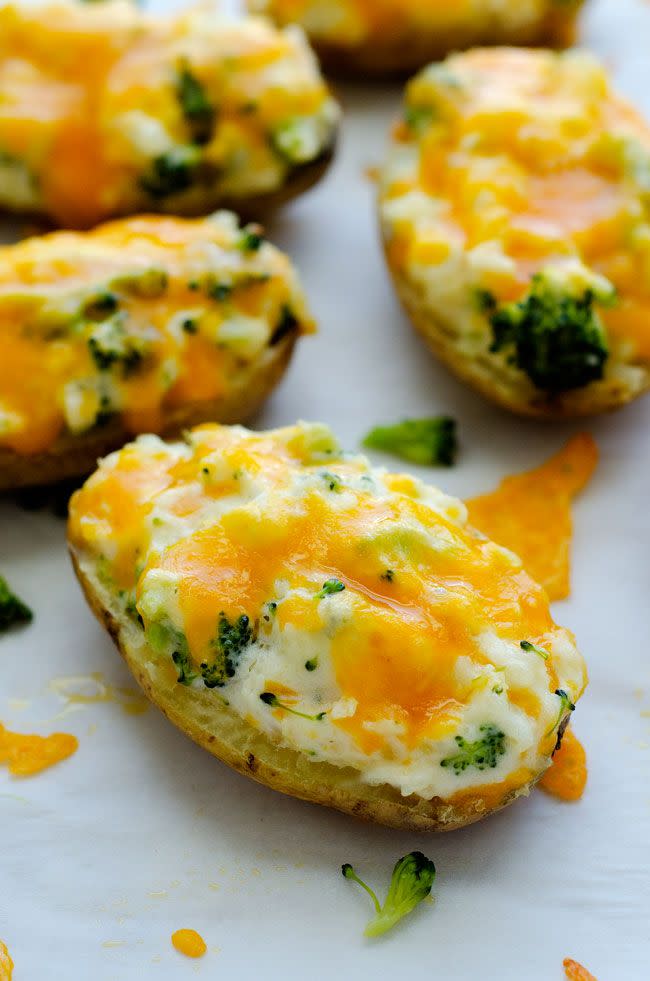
<point x="348" y="613"/>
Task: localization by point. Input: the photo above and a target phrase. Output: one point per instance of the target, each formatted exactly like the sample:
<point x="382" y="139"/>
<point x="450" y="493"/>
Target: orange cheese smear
<point x="189" y="942"/>
<point x="566" y="778"/>
<point x="530" y="513"/>
<point x="6" y="964"/>
<point x="576" y="972"/>
<point x="26" y="755"/>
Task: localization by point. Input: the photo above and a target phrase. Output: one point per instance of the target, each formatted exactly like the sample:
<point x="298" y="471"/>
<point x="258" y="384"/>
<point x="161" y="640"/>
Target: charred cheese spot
<point x="271" y="590"/>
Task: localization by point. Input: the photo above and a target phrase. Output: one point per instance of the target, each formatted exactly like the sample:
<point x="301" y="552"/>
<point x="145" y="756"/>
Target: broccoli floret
<point x="251" y="239"/>
<point x="556" y="338"/>
<point x="12" y="609"/>
<point x="171" y="172"/>
<point x="286" y="325"/>
<point x="483" y="754"/>
<point x="270" y="699"/>
<point x="423" y="441"/>
<point x="534" y="649"/>
<point x="197" y="108"/>
<point x="331" y="586"/>
<point x="231" y="640"/>
<point x="111" y="346"/>
<point x="185" y="665"/>
<point x="411" y="882"/>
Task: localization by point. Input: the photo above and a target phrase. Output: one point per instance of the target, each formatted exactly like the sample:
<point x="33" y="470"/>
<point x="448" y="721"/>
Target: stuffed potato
<point x="387" y="37"/>
<point x="334" y="631"/>
<point x="145" y="324"/>
<point x="515" y="209"/>
<point x="106" y="110"/>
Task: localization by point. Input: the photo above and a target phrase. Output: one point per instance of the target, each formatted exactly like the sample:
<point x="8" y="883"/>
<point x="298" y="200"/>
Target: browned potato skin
<point x="76" y="456"/>
<point x="401" y="55"/>
<point x="517" y="395"/>
<point x="215" y="727"/>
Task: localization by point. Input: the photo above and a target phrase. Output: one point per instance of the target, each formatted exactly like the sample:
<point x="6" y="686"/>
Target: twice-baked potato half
<point x="368" y="38"/>
<point x="335" y="631"/>
<point x="147" y="324"/>
<point x="515" y="210"/>
<point x="106" y="110"/>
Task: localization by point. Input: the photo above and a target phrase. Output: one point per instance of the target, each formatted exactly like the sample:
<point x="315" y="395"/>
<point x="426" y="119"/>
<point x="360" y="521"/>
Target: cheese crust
<point x="336" y="631"/>
<point x="106" y="110"/>
<point x="146" y="324"/>
<point x="518" y="179"/>
<point x="393" y="37"/>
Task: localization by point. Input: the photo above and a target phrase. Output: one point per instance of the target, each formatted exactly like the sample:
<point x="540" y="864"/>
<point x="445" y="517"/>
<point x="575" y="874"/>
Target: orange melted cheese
<point x="530" y="163"/>
<point x="575" y="971"/>
<point x="566" y="778"/>
<point x="411" y="636"/>
<point x="6" y="963"/>
<point x="171" y="290"/>
<point x="530" y="513"/>
<point x="189" y="942"/>
<point x="27" y="755"/>
<point x="92" y="98"/>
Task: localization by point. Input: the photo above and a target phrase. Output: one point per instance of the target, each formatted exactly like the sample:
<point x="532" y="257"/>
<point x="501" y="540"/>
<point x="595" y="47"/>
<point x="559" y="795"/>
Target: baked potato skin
<point x="399" y="54"/>
<point x="76" y="456"/>
<point x="214" y="727"/>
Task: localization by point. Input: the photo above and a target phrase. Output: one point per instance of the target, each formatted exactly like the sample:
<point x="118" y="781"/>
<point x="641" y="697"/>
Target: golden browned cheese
<point x="133" y="321"/>
<point x="107" y="110"/>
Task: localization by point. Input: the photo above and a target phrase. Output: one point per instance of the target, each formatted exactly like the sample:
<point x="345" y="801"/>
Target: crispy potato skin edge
<point x="486" y="376"/>
<point x="75" y="456"/>
<point x="231" y="740"/>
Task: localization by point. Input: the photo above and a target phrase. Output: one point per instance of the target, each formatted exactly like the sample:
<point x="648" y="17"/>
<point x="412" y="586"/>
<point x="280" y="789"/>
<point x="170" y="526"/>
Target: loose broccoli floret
<point x="423" y="441"/>
<point x="556" y="338"/>
<point x="172" y="172"/>
<point x="331" y="586"/>
<point x="533" y="649"/>
<point x="12" y="609"/>
<point x="197" y="108"/>
<point x="270" y="699"/>
<point x="483" y="754"/>
<point x="566" y="708"/>
<point x="411" y="882"/>
<point x="232" y="639"/>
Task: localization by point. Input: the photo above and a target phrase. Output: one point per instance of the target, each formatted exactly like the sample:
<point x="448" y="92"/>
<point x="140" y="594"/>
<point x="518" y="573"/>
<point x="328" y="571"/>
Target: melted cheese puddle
<point x="566" y="778"/>
<point x="26" y="755"/>
<point x="189" y="942"/>
<point x="530" y="513"/>
<point x="79" y="690"/>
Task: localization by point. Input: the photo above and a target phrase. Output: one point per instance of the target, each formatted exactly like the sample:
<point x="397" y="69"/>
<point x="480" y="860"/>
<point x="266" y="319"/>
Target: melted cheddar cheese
<point x="516" y="167"/>
<point x="531" y="513"/>
<point x="354" y="22"/>
<point x="26" y="755"/>
<point x="575" y="971"/>
<point x="189" y="942"/>
<point x="108" y="110"/>
<point x="133" y="319"/>
<point x="6" y="963"/>
<point x="346" y="612"/>
<point x="566" y="778"/>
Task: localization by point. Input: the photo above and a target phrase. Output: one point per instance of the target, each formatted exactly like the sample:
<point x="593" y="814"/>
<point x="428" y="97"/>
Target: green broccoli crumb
<point x="198" y="110"/>
<point x="270" y="699"/>
<point x="533" y="649"/>
<point x="423" y="441"/>
<point x="483" y="754"/>
<point x="331" y="586"/>
<point x="311" y="664"/>
<point x="12" y="609"/>
<point x="411" y="883"/>
<point x="231" y="640"/>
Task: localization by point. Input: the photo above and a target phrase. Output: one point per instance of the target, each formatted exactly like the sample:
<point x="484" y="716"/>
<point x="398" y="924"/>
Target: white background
<point x="141" y="832"/>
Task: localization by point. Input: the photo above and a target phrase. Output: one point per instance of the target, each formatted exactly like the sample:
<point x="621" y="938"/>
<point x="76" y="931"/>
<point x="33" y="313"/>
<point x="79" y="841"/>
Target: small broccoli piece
<point x="332" y="480"/>
<point x="557" y="339"/>
<point x="331" y="586"/>
<point x="101" y="306"/>
<point x="311" y="664"/>
<point x="419" y="118"/>
<point x="220" y="291"/>
<point x="183" y="661"/>
<point x="423" y="441"/>
<point x="111" y="346"/>
<point x="411" y="882"/>
<point x="533" y="649"/>
<point x="12" y="609"/>
<point x="387" y="576"/>
<point x="232" y="638"/>
<point x="483" y="754"/>
<point x="197" y="108"/>
<point x="146" y="283"/>
<point x="286" y="325"/>
<point x="270" y="699"/>
<point x="566" y="708"/>
<point x="172" y="172"/>
<point x="251" y="239"/>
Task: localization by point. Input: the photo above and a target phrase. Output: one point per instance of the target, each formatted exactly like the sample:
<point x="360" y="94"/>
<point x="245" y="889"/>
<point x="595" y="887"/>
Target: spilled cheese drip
<point x="6" y="963"/>
<point x="530" y="513"/>
<point x="134" y="320"/>
<point x="346" y="612"/>
<point x="26" y="755"/>
<point x="108" y="110"/>
<point x="566" y="778"/>
<point x="189" y="942"/>
<point x="512" y="163"/>
<point x="575" y="971"/>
